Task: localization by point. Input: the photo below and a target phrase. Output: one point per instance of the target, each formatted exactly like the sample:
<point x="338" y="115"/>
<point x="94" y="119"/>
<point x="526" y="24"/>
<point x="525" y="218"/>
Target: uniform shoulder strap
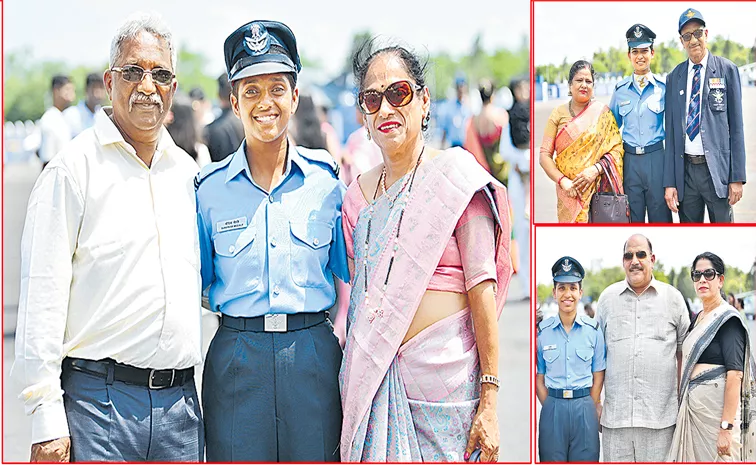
<point x="209" y="169"/>
<point x="320" y="156"/>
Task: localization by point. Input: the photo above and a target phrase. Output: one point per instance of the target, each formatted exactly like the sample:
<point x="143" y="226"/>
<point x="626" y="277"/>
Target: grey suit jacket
<point x="721" y="126"/>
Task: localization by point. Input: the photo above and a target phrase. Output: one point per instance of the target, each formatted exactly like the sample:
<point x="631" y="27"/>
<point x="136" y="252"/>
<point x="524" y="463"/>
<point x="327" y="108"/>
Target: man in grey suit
<point x="705" y="150"/>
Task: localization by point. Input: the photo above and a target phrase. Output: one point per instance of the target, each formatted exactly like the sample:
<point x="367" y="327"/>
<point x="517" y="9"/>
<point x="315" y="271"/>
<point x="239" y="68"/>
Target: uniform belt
<point x="695" y="159"/>
<point x="274" y="323"/>
<point x="641" y="150"/>
<point x="111" y="370"/>
<point x="569" y="393"/>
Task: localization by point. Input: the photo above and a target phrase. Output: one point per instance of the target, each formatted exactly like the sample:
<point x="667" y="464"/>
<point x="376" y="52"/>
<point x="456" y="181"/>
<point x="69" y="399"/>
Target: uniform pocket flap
<point x="315" y="234"/>
<point x="229" y="244"/>
<point x="585" y="354"/>
<point x="550" y="355"/>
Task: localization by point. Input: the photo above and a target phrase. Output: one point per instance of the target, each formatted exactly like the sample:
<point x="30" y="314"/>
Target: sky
<point x="581" y="28"/>
<point x="601" y="247"/>
<point x="79" y="31"/>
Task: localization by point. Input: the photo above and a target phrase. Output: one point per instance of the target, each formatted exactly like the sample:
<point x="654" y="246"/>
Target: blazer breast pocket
<point x="718" y="100"/>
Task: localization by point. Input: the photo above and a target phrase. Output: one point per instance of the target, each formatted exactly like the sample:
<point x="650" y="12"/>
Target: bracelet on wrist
<point x="559" y="183"/>
<point x="490" y="379"/>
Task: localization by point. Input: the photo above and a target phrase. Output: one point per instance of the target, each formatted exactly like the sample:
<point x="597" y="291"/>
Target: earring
<point x="367" y="134"/>
<point x="426" y="122"/>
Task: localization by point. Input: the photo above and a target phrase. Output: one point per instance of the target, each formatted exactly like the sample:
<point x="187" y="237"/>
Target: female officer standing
<point x="571" y="359"/>
<point x="270" y="240"/>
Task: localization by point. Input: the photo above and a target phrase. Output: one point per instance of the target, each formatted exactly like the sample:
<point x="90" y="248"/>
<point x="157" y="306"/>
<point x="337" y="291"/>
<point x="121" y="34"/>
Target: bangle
<point x="559" y="183"/>
<point x="490" y="379"/>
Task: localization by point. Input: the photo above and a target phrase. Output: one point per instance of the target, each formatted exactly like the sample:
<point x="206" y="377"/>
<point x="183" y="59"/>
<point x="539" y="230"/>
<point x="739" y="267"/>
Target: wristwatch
<point x="726" y="426"/>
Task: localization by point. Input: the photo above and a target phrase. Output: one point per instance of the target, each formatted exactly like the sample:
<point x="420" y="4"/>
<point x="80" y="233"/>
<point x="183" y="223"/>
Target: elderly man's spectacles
<point x="134" y="73"/>
<point x="688" y="35"/>
<point x="709" y="274"/>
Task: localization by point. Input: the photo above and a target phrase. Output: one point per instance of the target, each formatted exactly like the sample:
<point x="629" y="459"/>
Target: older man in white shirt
<point x="109" y="314"/>
<point x="644" y="323"/>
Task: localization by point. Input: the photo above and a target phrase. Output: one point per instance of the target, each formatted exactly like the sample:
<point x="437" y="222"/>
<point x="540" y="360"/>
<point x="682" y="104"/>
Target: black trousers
<point x="700" y="194"/>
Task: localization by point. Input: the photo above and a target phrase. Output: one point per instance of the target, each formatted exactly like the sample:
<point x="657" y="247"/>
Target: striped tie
<point x="693" y="123"/>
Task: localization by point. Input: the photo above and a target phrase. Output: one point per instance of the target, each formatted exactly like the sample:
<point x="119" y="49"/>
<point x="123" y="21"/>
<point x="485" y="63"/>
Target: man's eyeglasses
<point x="134" y="73"/>
<point x="641" y="254"/>
<point x="709" y="274"/>
<point x="398" y="95"/>
<point x="688" y="35"/>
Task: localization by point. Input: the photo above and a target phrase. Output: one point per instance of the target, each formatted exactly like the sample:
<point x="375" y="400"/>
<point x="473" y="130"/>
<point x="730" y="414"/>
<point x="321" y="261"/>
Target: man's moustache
<point x="139" y="97"/>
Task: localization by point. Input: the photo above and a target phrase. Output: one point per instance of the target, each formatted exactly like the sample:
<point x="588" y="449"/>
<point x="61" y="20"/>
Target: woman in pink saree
<point x="428" y="239"/>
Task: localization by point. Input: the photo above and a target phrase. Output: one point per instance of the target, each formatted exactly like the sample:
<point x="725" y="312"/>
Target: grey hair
<point x="136" y="23"/>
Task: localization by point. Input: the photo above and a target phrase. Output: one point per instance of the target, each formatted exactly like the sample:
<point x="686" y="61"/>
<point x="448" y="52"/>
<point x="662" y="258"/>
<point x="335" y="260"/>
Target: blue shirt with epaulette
<point x="639" y="115"/>
<point x="271" y="252"/>
<point x="568" y="361"/>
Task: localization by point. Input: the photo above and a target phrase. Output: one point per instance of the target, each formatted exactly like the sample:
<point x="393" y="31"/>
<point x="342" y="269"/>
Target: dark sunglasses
<point x="688" y="35"/>
<point x="709" y="274"/>
<point x="641" y="254"/>
<point x="397" y="94"/>
<point x="134" y="73"/>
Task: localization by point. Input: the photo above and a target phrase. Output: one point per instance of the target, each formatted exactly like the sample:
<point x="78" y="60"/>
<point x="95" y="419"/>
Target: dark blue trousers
<point x="568" y="430"/>
<point x="700" y="194"/>
<point x="273" y="397"/>
<point x="122" y="422"/>
<point x="644" y="186"/>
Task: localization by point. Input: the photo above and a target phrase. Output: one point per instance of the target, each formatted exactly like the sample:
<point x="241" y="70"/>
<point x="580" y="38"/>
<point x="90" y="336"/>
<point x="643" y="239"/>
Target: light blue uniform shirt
<point x="452" y="120"/>
<point x="271" y="252"/>
<point x="640" y="116"/>
<point x="569" y="360"/>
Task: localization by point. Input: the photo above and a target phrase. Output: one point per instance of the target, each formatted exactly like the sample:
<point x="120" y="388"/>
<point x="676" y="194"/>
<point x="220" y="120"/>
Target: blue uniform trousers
<point x="270" y="397"/>
<point x="122" y="422"/>
<point x="568" y="430"/>
<point x="644" y="187"/>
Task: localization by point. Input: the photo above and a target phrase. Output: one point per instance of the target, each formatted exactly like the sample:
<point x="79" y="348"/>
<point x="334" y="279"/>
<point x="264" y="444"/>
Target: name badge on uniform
<point x="626" y="102"/>
<point x="550" y="347"/>
<point x="717" y="83"/>
<point x="230" y="225"/>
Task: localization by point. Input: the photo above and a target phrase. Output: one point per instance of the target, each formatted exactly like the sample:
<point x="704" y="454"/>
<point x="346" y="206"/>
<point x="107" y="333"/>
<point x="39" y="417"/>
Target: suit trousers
<point x="122" y="422"/>
<point x="568" y="430"/>
<point x="644" y="187"/>
<point x="700" y="194"/>
<point x="273" y="397"/>
<point x="636" y="444"/>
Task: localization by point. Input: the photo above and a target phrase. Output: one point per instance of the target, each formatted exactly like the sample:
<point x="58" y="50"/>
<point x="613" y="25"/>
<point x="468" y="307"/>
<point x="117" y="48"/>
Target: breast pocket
<point x="620" y="326"/>
<point x="718" y="100"/>
<point x="625" y="110"/>
<point x="238" y="262"/>
<point x="554" y="367"/>
<point x="584" y="358"/>
<point x="656" y="104"/>
<point x="310" y="242"/>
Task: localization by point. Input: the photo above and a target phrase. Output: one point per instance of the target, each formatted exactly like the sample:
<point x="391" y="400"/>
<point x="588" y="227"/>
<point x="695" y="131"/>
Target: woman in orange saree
<point x="587" y="141"/>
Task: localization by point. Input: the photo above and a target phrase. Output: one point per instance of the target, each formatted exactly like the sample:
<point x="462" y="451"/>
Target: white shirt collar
<point x="703" y="63"/>
<point x="107" y="133"/>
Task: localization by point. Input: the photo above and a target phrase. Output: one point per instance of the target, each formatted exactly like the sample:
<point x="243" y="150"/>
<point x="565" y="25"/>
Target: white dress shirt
<point x="695" y="146"/>
<point x="109" y="266"/>
<point x="55" y="133"/>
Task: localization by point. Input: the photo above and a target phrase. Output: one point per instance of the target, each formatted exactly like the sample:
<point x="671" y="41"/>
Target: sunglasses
<point x="709" y="274"/>
<point x="397" y="94"/>
<point x="134" y="73"/>
<point x="641" y="254"/>
<point x="688" y="35"/>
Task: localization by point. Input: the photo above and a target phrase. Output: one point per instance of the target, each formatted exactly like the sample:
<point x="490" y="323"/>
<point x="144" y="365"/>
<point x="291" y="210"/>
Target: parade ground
<point x="544" y="198"/>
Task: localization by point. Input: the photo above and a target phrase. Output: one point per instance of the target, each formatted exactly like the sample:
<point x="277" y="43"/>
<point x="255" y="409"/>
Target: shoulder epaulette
<point x="589" y="321"/>
<point x="209" y="169"/>
<point x="547" y="323"/>
<point x="320" y="156"/>
<point x="659" y="79"/>
<point x="623" y="82"/>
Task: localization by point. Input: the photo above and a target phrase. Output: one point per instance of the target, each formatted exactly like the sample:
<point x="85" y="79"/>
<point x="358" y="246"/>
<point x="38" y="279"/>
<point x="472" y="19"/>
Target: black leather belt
<point x="274" y="323"/>
<point x="641" y="150"/>
<point x="111" y="370"/>
<point x="695" y="159"/>
<point x="569" y="393"/>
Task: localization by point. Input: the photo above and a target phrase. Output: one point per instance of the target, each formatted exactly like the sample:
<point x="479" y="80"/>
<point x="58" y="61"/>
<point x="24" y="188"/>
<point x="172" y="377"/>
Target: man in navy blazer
<point x="705" y="151"/>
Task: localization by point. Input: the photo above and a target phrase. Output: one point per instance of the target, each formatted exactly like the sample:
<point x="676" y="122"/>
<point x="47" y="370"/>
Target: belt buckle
<point x="567" y="394"/>
<point x="152" y="378"/>
<point x="275" y="323"/>
<point x="640" y="150"/>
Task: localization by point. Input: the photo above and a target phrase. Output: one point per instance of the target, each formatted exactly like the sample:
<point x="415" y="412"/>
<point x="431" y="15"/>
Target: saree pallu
<point x="415" y="402"/>
<point x="702" y="400"/>
<point x="582" y="142"/>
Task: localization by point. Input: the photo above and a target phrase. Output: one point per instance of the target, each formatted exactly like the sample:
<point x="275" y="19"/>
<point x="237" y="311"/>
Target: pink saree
<point x="415" y="402"/>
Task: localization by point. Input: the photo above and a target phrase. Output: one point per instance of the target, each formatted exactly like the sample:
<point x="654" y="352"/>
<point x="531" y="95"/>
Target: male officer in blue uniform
<point x="571" y="359"/>
<point x="270" y="241"/>
<point x="705" y="159"/>
<point x="638" y="107"/>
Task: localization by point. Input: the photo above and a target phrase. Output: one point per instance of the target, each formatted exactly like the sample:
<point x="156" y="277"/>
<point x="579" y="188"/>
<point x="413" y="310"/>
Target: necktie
<point x="693" y="123"/>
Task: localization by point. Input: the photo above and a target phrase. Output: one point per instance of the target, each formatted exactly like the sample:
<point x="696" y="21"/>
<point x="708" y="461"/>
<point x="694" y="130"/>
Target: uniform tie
<point x="693" y="123"/>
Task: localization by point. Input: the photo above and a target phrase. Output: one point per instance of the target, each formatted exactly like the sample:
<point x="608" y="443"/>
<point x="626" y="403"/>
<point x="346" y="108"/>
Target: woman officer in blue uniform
<point x="271" y="241"/>
<point x="571" y="359"/>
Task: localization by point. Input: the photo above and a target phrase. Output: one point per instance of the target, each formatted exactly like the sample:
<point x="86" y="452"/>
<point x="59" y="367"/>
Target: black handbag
<point x="610" y="207"/>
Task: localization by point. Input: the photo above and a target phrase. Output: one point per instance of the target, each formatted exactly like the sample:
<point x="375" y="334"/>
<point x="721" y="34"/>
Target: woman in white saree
<point x="715" y="421"/>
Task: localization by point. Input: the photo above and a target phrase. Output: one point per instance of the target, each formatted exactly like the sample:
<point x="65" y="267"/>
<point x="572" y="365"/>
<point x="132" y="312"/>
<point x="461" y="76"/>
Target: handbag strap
<point x="610" y="176"/>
